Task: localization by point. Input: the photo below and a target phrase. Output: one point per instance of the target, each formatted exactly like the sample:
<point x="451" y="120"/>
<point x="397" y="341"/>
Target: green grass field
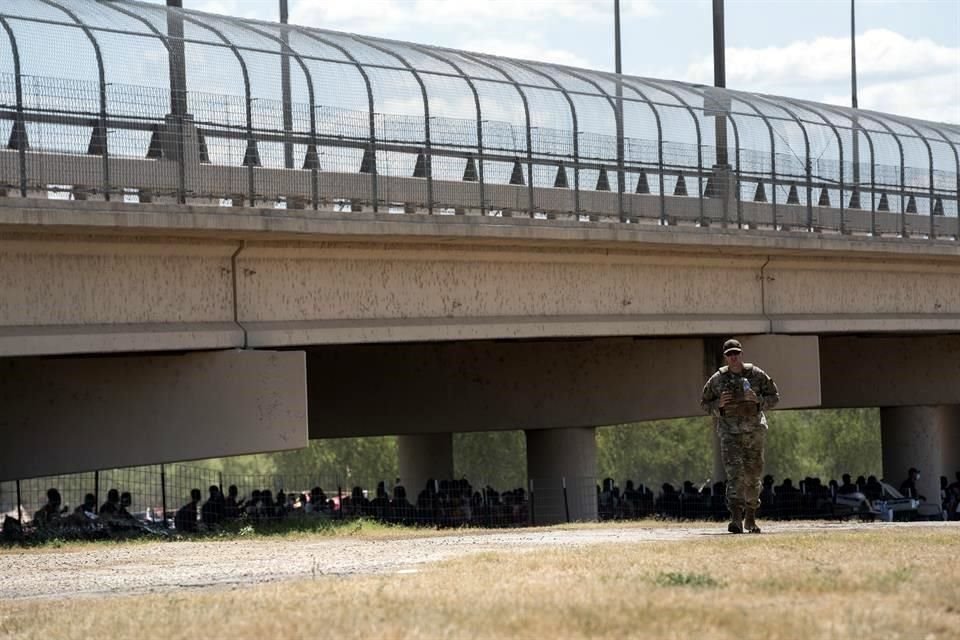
<point x="882" y="582"/>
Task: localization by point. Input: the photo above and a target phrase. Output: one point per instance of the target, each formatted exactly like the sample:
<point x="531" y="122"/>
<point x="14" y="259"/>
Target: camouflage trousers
<point x="742" y="455"/>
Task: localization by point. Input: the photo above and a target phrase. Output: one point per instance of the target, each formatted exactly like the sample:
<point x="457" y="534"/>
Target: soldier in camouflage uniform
<point x="737" y="395"/>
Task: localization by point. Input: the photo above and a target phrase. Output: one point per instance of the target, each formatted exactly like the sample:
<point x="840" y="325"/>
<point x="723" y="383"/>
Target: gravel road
<point x="124" y="569"/>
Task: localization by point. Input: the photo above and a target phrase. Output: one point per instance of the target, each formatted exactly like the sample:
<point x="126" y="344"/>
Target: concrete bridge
<point x="176" y="285"/>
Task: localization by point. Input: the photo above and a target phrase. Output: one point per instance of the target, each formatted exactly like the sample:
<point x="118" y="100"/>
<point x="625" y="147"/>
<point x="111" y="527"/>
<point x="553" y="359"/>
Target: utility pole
<point x="178" y="68"/>
<point x="720" y="79"/>
<point x="855" y="196"/>
<point x="618" y="67"/>
<point x="285" y="86"/>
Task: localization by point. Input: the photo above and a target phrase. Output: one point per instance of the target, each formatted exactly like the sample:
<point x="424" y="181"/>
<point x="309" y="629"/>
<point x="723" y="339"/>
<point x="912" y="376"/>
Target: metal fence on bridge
<point x="138" y="102"/>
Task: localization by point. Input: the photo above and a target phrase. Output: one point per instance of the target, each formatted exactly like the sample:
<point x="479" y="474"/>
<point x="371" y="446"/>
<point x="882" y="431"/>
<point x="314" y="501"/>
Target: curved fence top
<point x="357" y="104"/>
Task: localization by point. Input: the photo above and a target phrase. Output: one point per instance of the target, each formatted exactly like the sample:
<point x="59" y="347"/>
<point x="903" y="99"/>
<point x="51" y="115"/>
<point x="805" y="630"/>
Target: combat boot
<point x="750" y="521"/>
<point x="736" y="520"/>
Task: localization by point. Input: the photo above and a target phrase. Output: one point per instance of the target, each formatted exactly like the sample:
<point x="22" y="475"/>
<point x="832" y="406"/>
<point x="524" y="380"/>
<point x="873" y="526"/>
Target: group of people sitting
<point x="458" y="503"/>
<point x="440" y="503"/>
<point x="54" y="514"/>
<point x="810" y="498"/>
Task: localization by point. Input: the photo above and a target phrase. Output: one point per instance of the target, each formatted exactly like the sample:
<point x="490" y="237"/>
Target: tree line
<point x="823" y="443"/>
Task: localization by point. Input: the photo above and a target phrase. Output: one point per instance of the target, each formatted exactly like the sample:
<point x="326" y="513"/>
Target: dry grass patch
<point x="890" y="583"/>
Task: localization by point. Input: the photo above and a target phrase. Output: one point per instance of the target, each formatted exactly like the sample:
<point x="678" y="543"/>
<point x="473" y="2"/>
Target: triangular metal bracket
<point x="603" y="182"/>
<point x="911" y="205"/>
<point x="420" y="168"/>
<point x="938" y="207"/>
<point x="560" y="182"/>
<point x="311" y="161"/>
<point x="642" y="185"/>
<point x="516" y="176"/>
<point x="18" y="136"/>
<point x="251" y="158"/>
<point x="884" y="204"/>
<point x="470" y="171"/>
<point x="760" y="195"/>
<point x="854" y="199"/>
<point x="824" y="200"/>
<point x="155" y="149"/>
<point x="368" y="163"/>
<point x="792" y="196"/>
<point x="98" y="140"/>
<point x="681" y="188"/>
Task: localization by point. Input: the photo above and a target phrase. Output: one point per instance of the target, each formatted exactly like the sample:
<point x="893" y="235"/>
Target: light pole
<point x="855" y="195"/>
<point x="285" y="86"/>
<point x="618" y="67"/>
<point x="719" y="79"/>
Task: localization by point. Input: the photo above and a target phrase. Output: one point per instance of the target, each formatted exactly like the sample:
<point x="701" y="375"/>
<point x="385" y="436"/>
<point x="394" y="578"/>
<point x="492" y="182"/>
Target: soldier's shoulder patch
<point x="723" y="369"/>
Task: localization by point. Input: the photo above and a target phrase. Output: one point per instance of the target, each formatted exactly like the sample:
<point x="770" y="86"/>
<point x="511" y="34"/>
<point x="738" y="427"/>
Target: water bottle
<point x="746" y="385"/>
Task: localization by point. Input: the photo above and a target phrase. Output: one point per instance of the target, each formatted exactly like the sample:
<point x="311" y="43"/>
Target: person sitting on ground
<point x="379" y="505"/>
<point x="268" y="508"/>
<point x="873" y="489"/>
<point x="111" y="507"/>
<point x="213" y="509"/>
<point x="955" y="483"/>
<point x="186" y="519"/>
<point x="909" y="486"/>
<point x="232" y="506"/>
<point x="49" y="514"/>
<point x="318" y="501"/>
<point x="125" y="501"/>
<point x="847" y="487"/>
<point x="254" y="506"/>
<point x="87" y="509"/>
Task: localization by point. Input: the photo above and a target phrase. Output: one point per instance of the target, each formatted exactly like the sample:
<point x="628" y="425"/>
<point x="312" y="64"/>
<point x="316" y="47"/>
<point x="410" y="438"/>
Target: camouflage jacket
<point x="740" y="415"/>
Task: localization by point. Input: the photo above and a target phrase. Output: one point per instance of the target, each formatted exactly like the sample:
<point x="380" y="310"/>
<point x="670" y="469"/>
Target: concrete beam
<point x="794" y="364"/>
<point x="486" y="386"/>
<point x="82" y="414"/>
<point x="178" y="278"/>
<point x="888" y="371"/>
<point x="81" y="294"/>
<point x="381" y="389"/>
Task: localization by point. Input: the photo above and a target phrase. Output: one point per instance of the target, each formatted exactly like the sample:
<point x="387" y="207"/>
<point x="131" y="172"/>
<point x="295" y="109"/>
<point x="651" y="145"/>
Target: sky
<point x="908" y="51"/>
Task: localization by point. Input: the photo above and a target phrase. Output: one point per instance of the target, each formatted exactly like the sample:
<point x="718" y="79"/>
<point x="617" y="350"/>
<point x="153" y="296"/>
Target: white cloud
<point x="914" y="77"/>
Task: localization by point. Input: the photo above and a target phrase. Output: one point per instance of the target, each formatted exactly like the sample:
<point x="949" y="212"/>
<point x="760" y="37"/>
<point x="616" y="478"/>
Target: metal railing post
<point x="163" y="495"/>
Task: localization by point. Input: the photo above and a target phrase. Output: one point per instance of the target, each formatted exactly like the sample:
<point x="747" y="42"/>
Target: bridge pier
<point x="562" y="456"/>
<point x="925" y="437"/>
<point x="422" y="457"/>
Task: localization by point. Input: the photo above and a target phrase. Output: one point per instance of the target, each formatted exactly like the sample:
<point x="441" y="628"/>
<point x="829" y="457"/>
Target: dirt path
<point x="126" y="569"/>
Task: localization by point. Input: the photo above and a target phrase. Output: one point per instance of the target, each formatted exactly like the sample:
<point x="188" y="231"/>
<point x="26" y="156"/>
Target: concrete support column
<point x="927" y="438"/>
<point x="558" y="456"/>
<point x="422" y="457"/>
